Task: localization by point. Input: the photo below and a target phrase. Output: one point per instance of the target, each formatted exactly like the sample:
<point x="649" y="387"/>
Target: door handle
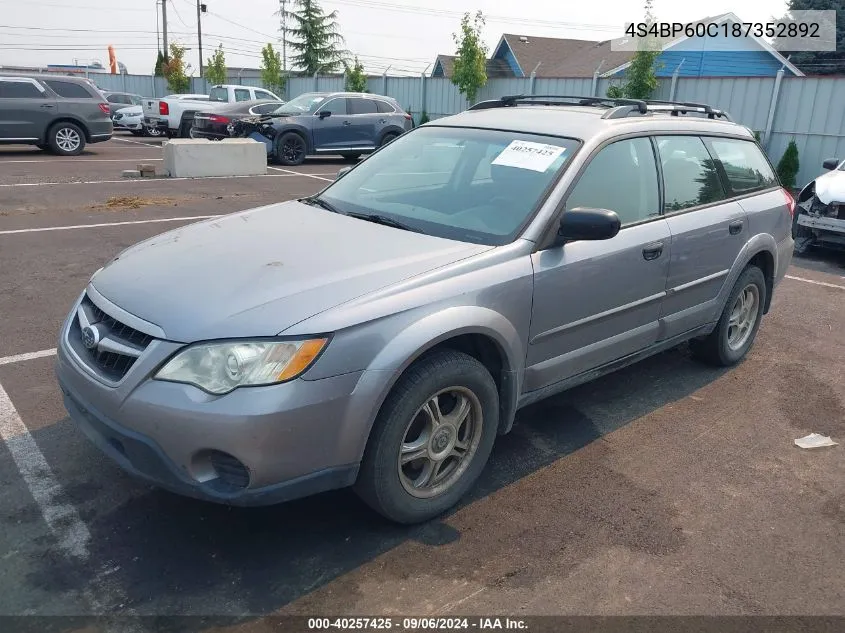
<point x="735" y="227"/>
<point x="47" y="105"/>
<point x="653" y="251"/>
<point x="347" y="123"/>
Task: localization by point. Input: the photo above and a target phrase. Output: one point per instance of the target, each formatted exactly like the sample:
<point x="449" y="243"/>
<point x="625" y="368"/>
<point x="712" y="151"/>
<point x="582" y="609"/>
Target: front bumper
<point x="291" y="440"/>
<point x="128" y="124"/>
<point x="823" y="223"/>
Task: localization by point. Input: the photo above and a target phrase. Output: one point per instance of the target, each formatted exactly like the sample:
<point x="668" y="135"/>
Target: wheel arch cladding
<point x="765" y="261"/>
<point x="76" y="122"/>
<point x="479" y="332"/>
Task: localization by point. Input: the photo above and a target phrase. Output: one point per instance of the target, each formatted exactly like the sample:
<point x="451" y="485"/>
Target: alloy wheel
<point x="743" y="316"/>
<point x="67" y="139"/>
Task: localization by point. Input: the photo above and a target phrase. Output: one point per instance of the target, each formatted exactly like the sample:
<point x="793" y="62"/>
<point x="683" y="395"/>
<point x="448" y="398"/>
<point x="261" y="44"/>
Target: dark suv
<point x="345" y="123"/>
<point x="57" y="113"/>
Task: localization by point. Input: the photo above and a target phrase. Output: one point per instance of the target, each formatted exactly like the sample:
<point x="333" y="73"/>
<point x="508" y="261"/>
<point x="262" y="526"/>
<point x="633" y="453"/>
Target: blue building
<point x="522" y="55"/>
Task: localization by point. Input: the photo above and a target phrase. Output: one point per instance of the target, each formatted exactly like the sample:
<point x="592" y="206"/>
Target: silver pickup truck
<point x="174" y="114"/>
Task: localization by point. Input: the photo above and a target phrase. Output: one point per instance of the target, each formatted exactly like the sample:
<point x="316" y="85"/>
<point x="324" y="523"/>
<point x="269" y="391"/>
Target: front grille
<point x="119" y="345"/>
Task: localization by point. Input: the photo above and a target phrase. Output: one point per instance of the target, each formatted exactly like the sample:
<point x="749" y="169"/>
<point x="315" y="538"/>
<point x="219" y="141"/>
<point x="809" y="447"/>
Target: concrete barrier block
<point x="199" y="157"/>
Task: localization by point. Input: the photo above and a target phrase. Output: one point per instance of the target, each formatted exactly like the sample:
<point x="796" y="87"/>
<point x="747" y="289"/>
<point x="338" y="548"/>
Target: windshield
<point x="218" y="94"/>
<point x="465" y="184"/>
<point x="307" y="103"/>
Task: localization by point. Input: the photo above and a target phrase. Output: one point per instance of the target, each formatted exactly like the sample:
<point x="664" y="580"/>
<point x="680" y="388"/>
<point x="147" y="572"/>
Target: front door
<point x="597" y="301"/>
<point x="365" y="118"/>
<point x="26" y="109"/>
<point x="334" y="132"/>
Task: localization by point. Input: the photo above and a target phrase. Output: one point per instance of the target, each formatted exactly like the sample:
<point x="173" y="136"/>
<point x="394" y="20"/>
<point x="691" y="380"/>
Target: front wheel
<point x="66" y="139"/>
<point x="734" y="334"/>
<point x="291" y="149"/>
<point x="152" y="131"/>
<point x="431" y="438"/>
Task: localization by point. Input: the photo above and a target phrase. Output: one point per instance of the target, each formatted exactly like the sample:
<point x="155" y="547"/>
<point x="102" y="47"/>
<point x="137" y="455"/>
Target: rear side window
<point x="746" y="168"/>
<point x="690" y="176"/>
<point x="241" y="94"/>
<point x="263" y="94"/>
<point x="218" y="94"/>
<point x="68" y="90"/>
<point x="622" y="177"/>
<point x="19" y="90"/>
<point x="384" y="107"/>
<point x="361" y="106"/>
<point x="264" y="108"/>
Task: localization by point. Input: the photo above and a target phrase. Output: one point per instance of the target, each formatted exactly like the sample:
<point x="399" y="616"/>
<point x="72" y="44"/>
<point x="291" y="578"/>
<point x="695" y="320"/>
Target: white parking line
<point x="94" y="226"/>
<point x="18" y="358"/>
<point x="126" y="140"/>
<point x="816" y="283"/>
<point x="143" y="180"/>
<point x="62" y="518"/>
<point x="82" y="160"/>
<point x="297" y="173"/>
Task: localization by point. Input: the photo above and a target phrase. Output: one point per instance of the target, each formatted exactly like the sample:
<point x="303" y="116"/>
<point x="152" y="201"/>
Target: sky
<point x="398" y="36"/>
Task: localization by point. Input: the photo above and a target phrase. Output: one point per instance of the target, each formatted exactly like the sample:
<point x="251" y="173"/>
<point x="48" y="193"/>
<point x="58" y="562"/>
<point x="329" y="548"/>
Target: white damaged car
<point x="820" y="213"/>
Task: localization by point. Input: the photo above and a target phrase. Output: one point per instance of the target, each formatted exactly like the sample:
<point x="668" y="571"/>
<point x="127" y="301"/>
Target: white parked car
<point x="132" y="118"/>
<point x="820" y="213"/>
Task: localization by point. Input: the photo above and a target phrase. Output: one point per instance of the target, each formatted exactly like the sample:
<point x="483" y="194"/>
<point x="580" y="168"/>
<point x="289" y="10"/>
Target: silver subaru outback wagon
<point x="382" y="333"/>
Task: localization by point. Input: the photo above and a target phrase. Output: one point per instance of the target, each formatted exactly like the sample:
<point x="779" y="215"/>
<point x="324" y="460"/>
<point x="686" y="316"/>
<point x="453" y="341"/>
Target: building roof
<point x="495" y="67"/>
<point x="555" y="57"/>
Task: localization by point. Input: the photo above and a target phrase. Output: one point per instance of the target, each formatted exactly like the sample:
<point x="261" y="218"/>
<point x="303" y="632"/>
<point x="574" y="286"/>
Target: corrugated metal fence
<point x="807" y="109"/>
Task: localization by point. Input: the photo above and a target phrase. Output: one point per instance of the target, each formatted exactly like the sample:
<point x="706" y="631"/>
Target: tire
<point x="152" y="132"/>
<point x="185" y="129"/>
<point x="291" y="149"/>
<point x="351" y="157"/>
<point x="717" y="348"/>
<point x="137" y="132"/>
<point x="66" y="139"/>
<point x="388" y="138"/>
<point x="395" y="490"/>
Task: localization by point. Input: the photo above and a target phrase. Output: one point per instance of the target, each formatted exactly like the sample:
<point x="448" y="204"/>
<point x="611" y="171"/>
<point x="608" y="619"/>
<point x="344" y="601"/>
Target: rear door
<point x="80" y="101"/>
<point x="364" y="116"/>
<point x="333" y="132"/>
<point x="597" y="301"/>
<point x="708" y="232"/>
<point x="26" y="109"/>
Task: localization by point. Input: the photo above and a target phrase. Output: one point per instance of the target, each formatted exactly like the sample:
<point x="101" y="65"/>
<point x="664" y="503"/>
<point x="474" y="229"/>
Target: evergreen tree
<point x="161" y="60"/>
<point x="817" y="62"/>
<point x="315" y="38"/>
<point x="788" y="166"/>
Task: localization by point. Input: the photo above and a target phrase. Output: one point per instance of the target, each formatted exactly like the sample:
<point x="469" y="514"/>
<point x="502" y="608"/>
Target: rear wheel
<point x="388" y="138"/>
<point x="737" y="327"/>
<point x="431" y="438"/>
<point x="185" y="128"/>
<point x="66" y="139"/>
<point x="291" y="149"/>
<point x="152" y="131"/>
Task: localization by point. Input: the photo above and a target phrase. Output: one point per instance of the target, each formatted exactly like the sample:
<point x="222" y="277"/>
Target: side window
<point x="690" y="177"/>
<point x="241" y="94"/>
<point x="385" y="107"/>
<point x="68" y="90"/>
<point x="335" y="106"/>
<point x="264" y="108"/>
<point x="19" y="90"/>
<point x="745" y="166"/>
<point x="263" y="94"/>
<point x="135" y="100"/>
<point x="622" y="178"/>
<point x="361" y="106"/>
<point x="113" y="99"/>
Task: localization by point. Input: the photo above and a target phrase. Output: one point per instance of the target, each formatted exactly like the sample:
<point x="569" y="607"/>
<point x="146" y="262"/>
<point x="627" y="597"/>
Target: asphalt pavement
<point x="668" y="488"/>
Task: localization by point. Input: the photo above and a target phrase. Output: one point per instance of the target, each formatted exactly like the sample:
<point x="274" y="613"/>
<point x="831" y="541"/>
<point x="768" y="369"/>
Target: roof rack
<point x="617" y="108"/>
<point x="512" y="100"/>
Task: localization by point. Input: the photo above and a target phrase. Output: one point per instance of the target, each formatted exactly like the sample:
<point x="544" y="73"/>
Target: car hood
<point x="258" y="272"/>
<point x="830" y="187"/>
<point x="131" y="111"/>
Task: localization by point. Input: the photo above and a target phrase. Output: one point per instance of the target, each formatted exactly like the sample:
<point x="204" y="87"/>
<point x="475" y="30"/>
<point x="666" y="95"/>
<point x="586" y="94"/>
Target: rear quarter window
<point x="384" y="107"/>
<point x="69" y="90"/>
<point x="746" y="169"/>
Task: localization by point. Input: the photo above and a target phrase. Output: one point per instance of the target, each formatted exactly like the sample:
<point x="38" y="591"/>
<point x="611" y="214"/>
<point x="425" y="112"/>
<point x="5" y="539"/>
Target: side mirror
<point x="831" y="163"/>
<point x="343" y="172"/>
<point x="587" y="224"/>
<point x="324" y="113"/>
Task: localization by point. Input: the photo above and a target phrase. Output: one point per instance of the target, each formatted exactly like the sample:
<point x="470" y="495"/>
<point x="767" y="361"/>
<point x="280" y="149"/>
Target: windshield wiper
<point x="319" y="202"/>
<point x="384" y="220"/>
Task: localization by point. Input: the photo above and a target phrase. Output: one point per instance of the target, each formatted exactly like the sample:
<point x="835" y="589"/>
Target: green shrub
<point x="788" y="166"/>
<point x="424" y="117"/>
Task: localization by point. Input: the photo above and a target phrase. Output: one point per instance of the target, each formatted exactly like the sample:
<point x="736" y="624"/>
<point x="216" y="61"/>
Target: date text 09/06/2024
<point x="417" y="624"/>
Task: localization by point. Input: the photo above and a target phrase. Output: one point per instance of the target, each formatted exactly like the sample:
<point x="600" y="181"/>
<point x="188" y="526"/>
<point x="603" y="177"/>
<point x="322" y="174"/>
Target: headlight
<point x="221" y="367"/>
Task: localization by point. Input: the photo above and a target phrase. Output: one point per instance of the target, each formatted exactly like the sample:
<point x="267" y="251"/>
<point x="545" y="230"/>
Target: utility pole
<point x="283" y="15"/>
<point x="158" y="29"/>
<point x="200" y="10"/>
<point x="164" y="26"/>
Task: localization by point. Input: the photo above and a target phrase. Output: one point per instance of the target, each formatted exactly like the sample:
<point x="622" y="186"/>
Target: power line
<point x="74" y="6"/>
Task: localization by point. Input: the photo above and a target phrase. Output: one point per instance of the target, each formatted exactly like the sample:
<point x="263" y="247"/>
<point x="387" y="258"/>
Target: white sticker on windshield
<point x="526" y="155"/>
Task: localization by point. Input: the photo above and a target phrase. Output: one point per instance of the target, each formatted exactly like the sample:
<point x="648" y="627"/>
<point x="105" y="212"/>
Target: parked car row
<point x="348" y="124"/>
